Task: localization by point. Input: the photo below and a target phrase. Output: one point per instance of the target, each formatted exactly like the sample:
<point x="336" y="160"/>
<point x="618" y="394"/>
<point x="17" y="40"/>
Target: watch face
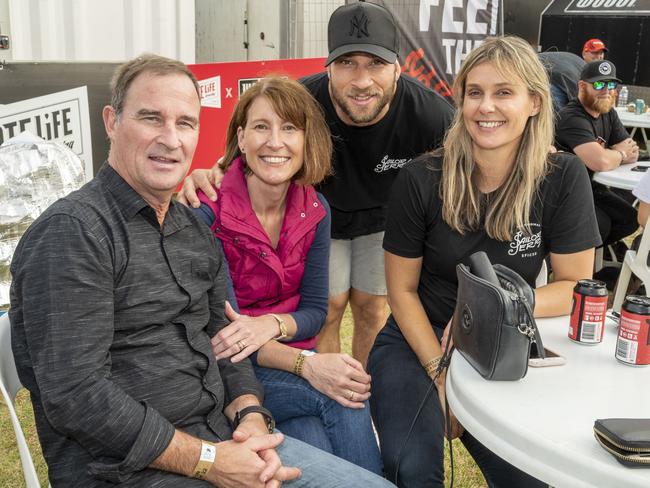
<point x="307" y="353"/>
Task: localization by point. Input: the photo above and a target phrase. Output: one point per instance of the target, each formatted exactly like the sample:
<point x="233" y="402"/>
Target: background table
<point x="630" y="119"/>
<point x="622" y="177"/>
<point x="544" y="423"/>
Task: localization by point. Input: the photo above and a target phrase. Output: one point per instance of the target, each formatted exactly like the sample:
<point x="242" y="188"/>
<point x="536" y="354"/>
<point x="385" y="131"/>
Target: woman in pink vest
<point x="274" y="228"/>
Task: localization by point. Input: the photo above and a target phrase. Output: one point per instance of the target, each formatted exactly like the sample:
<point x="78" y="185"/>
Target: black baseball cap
<point x="599" y="71"/>
<point x="362" y="27"/>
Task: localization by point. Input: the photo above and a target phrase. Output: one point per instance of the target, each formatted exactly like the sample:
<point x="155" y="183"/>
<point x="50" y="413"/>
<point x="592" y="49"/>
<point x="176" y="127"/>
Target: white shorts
<point x="357" y="263"/>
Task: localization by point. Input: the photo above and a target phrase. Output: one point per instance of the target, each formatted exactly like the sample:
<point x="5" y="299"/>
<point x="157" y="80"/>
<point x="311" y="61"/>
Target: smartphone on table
<point x="552" y="359"/>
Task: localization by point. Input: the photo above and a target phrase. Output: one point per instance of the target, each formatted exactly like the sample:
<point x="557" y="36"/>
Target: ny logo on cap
<point x="359" y="25"/>
<point x="605" y="68"/>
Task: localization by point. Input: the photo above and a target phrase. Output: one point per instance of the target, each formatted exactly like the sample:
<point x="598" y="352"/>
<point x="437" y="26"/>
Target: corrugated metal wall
<point x="101" y="30"/>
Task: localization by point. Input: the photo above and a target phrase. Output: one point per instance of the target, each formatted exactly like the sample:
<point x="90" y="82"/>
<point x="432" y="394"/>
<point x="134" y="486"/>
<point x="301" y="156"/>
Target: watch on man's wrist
<point x="268" y="417"/>
<point x="282" y="326"/>
<point x="300" y="360"/>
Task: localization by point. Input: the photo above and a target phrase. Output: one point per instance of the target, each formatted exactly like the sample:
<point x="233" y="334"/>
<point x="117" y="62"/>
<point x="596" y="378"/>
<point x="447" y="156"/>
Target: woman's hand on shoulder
<point x="340" y="377"/>
<point x="200" y="179"/>
<point x="243" y="336"/>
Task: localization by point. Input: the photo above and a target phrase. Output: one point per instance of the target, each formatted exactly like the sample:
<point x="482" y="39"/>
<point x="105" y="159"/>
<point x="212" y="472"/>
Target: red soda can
<point x="588" y="312"/>
<point x="633" y="343"/>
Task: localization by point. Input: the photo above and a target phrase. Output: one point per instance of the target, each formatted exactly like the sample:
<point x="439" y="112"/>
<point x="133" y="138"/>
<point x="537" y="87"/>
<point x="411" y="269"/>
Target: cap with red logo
<point x="593" y="46"/>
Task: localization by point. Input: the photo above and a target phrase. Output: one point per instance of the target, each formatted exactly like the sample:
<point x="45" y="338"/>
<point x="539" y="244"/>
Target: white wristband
<point x="206" y="460"/>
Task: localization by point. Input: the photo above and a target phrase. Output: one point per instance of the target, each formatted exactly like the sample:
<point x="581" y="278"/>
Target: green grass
<point x="467" y="475"/>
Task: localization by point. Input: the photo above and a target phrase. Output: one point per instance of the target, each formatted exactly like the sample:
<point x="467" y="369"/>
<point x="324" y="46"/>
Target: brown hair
<point x="509" y="208"/>
<point x="293" y="103"/>
<point x="151" y="63"/>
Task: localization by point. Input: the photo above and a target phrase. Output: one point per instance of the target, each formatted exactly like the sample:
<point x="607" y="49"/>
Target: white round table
<point x="543" y="424"/>
<point x="622" y="177"/>
<point x="640" y="121"/>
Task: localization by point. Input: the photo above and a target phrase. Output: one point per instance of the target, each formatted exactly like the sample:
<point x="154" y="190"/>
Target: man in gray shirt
<point x="116" y="293"/>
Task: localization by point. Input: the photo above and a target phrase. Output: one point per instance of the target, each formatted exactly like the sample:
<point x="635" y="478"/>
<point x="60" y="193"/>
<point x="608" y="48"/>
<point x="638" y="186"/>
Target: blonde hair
<point x="293" y="103"/>
<point x="508" y="208"/>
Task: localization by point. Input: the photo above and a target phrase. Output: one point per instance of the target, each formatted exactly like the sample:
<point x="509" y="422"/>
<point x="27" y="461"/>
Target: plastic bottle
<point x="622" y="97"/>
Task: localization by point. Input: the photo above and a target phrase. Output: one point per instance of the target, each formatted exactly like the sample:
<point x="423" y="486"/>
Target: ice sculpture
<point x="34" y="173"/>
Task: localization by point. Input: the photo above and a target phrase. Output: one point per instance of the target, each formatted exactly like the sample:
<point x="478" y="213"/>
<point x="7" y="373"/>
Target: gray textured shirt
<point x="111" y="323"/>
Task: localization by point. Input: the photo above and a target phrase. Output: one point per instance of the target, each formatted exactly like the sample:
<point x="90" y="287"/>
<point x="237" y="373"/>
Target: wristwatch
<point x="270" y="421"/>
<point x="300" y="360"/>
<point x="282" y="326"/>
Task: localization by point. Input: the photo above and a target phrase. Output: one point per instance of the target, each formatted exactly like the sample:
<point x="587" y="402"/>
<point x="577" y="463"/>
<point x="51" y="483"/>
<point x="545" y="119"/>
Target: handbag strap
<point x="531" y="330"/>
<point x="442" y="365"/>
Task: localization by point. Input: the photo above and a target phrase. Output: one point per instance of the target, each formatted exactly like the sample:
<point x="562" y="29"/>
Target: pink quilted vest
<point x="266" y="279"/>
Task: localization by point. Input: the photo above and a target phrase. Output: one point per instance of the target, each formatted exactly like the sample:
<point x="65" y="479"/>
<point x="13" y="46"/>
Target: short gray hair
<point x="151" y="63"/>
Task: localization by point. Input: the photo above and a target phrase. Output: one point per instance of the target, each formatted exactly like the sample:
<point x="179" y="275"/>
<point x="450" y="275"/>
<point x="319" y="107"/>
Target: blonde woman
<point x="493" y="187"/>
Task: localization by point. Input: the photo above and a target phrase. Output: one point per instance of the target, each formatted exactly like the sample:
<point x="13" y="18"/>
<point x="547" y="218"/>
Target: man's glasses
<point x="599" y="85"/>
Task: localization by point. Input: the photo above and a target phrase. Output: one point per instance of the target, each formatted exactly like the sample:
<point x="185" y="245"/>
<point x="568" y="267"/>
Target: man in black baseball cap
<point x="590" y="128"/>
<point x="379" y="120"/>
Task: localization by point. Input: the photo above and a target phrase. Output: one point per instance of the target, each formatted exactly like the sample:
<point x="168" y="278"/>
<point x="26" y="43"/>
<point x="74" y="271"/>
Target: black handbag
<point x="493" y="325"/>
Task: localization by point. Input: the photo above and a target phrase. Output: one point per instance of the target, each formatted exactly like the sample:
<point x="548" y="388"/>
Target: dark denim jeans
<point x="302" y="412"/>
<point x="399" y="385"/>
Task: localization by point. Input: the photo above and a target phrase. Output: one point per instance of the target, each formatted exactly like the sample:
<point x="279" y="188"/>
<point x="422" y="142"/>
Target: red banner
<point x="221" y="84"/>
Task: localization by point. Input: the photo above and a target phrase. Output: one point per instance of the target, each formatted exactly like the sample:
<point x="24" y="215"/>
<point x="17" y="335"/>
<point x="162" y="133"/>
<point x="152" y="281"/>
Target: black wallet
<point x="628" y="440"/>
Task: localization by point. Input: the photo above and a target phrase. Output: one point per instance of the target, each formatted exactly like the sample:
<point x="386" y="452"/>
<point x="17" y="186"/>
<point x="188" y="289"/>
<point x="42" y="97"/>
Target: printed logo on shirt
<point x="387" y="164"/>
<point x="524" y="245"/>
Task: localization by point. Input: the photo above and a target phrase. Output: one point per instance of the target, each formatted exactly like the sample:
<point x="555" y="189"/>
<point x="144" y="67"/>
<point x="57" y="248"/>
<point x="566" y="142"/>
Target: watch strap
<point x="268" y="416"/>
<point x="282" y="326"/>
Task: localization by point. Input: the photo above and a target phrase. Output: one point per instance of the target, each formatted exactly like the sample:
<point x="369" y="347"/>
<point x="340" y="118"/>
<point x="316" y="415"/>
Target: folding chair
<point x="635" y="262"/>
<point x="9" y="386"/>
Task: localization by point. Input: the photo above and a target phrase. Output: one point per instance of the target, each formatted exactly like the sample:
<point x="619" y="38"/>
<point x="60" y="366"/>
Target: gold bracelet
<point x="297" y="366"/>
<point x="432" y="365"/>
<point x="282" y="326"/>
<point x="206" y="460"/>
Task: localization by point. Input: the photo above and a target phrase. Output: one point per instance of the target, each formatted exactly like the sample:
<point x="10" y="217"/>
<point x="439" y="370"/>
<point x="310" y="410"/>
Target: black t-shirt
<point x="575" y="127"/>
<point x="562" y="221"/>
<point x="367" y="159"/>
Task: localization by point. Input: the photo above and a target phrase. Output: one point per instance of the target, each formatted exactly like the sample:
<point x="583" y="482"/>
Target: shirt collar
<point x="128" y="200"/>
<point x="131" y="203"/>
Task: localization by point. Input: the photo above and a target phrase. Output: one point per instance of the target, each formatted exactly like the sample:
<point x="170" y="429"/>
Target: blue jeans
<point x="399" y="386"/>
<point x="302" y="412"/>
<point x="323" y="470"/>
